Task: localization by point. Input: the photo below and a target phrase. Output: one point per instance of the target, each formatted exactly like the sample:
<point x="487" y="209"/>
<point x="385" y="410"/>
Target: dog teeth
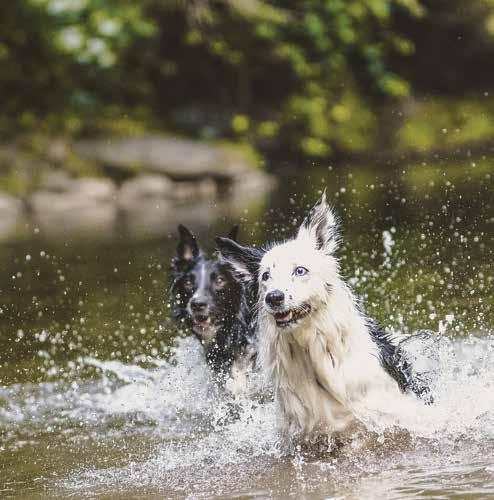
<point x="284" y="316"/>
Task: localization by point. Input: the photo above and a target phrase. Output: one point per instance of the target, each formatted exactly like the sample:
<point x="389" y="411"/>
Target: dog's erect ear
<point x="321" y="226"/>
<point x="233" y="234"/>
<point x="187" y="249"/>
<point x="244" y="260"/>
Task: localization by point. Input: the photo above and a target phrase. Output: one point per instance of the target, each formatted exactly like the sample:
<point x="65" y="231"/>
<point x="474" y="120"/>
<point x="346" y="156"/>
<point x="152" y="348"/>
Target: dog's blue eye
<point x="265" y="275"/>
<point x="300" y="271"/>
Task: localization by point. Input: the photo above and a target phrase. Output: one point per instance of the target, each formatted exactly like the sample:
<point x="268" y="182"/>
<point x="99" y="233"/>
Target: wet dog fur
<point x="212" y="303"/>
<point x="328" y="362"/>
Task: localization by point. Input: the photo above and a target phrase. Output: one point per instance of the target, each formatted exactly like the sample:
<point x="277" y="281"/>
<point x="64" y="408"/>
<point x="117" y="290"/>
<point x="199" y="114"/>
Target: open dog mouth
<point x="201" y="321"/>
<point x="291" y="316"/>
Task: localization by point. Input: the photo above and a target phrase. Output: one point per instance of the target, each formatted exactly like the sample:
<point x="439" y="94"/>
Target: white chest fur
<point x="326" y="373"/>
<point x="305" y="403"/>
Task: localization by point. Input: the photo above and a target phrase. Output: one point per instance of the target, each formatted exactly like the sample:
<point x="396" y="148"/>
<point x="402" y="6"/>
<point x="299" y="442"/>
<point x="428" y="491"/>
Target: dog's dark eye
<point x="219" y="282"/>
<point x="300" y="271"/>
<point x="265" y="276"/>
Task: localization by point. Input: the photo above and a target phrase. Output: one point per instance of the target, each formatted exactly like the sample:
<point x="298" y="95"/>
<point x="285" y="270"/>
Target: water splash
<point x="167" y="429"/>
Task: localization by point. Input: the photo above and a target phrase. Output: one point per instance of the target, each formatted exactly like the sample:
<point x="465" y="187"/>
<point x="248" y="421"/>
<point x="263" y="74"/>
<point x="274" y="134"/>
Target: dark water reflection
<point x="417" y="247"/>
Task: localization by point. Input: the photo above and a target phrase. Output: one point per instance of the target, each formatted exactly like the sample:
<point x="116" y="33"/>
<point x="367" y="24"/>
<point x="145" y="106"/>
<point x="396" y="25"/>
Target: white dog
<point x="328" y="362"/>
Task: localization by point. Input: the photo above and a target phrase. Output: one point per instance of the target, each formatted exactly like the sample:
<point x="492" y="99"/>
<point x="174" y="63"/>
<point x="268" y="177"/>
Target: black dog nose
<point x="275" y="298"/>
<point x="198" y="304"/>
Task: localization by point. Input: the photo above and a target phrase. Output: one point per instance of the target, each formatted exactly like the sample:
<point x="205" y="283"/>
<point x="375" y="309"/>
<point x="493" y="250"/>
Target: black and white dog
<point x="329" y="363"/>
<point x="213" y="303"/>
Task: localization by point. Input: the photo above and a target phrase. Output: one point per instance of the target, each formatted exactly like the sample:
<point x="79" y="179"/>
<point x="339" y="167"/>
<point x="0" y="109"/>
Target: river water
<point x="100" y="395"/>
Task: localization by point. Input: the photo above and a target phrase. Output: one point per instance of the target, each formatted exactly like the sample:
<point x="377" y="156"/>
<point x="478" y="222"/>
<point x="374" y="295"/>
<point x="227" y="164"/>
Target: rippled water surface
<point x="100" y="395"/>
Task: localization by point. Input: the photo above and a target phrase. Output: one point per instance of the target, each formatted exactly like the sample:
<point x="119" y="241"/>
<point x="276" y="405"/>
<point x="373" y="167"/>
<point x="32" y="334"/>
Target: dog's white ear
<point x="321" y="226"/>
<point x="244" y="260"/>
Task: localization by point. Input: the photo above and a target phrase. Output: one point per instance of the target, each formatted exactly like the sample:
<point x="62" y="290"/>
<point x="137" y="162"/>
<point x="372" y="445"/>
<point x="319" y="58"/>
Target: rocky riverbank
<point x="139" y="186"/>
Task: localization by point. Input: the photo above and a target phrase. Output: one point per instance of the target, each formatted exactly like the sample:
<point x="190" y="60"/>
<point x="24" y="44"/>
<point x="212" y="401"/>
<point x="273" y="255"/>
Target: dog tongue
<point x="286" y="316"/>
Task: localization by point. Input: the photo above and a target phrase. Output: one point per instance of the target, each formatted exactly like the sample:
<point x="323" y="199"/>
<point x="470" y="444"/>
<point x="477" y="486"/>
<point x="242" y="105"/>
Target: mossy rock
<point x="178" y="159"/>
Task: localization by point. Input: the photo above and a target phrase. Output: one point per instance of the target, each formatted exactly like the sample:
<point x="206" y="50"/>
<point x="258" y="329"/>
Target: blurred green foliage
<point x="442" y="123"/>
<point x="305" y="77"/>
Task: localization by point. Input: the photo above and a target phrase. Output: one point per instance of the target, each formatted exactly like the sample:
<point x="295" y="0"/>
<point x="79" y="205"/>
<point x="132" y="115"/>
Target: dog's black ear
<point x="233" y="234"/>
<point x="244" y="260"/>
<point x="321" y="226"/>
<point x="187" y="249"/>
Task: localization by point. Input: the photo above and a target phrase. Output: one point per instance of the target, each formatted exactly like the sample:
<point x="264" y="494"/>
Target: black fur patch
<point x="396" y="365"/>
<point x="228" y="307"/>
<point x="245" y="260"/>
